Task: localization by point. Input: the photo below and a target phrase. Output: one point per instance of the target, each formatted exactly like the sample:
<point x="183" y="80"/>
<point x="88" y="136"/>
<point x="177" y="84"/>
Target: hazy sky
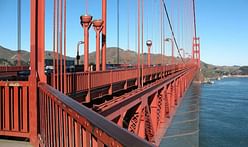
<point x="222" y="26"/>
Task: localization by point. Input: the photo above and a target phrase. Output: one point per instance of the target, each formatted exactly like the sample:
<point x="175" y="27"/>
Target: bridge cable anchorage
<point x="171" y="28"/>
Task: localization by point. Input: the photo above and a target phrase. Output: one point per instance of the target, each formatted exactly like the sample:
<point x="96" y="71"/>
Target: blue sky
<point x="223" y="28"/>
<point x="221" y="25"/>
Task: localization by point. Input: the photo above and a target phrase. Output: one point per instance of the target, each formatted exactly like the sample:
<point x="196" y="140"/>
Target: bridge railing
<point x="65" y="122"/>
<point x="82" y="81"/>
<point x="14" y="108"/>
<point x="13" y="68"/>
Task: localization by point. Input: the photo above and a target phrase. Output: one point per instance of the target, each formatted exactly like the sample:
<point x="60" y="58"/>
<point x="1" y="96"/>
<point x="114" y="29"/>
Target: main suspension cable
<point x="172" y="32"/>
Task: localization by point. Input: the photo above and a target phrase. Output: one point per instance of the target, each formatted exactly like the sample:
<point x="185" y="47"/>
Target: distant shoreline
<point x="238" y="76"/>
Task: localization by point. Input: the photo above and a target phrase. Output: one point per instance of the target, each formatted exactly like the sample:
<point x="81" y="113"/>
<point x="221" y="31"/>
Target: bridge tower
<point x="196" y="51"/>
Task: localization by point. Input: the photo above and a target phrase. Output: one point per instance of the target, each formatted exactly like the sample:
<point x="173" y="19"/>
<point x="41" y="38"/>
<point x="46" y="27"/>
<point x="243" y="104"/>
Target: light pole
<point x="149" y="45"/>
<point x="78" y="57"/>
<point x="181" y="49"/>
<point x="86" y="22"/>
<point x="172" y="49"/>
<point x="97" y="24"/>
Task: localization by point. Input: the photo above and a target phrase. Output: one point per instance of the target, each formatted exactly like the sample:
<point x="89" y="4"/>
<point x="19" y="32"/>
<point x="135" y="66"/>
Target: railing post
<point x="111" y="82"/>
<point x="89" y="86"/>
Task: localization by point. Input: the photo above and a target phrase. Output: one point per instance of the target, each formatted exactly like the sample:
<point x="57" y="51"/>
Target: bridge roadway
<point x="141" y="111"/>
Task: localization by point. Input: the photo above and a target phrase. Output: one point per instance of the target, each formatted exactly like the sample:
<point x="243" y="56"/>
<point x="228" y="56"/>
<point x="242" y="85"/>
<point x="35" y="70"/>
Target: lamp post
<point x="149" y="45"/>
<point x="97" y="24"/>
<point x="78" y="57"/>
<point x="86" y="21"/>
<point x="181" y="49"/>
<point x="172" y="49"/>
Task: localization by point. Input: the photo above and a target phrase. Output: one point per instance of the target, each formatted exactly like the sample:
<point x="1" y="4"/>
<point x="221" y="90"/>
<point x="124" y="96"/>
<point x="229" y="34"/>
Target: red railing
<point x="65" y="122"/>
<point x="14" y="109"/>
<point x="83" y="81"/>
<point x="13" y="68"/>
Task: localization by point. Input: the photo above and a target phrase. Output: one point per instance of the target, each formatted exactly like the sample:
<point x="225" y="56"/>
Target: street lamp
<point x="181" y="49"/>
<point x="78" y="57"/>
<point x="172" y="49"/>
<point x="86" y="22"/>
<point x="149" y="44"/>
<point x="97" y="24"/>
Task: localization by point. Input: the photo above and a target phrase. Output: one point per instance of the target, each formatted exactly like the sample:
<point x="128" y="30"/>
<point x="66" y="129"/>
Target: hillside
<point x="126" y="57"/>
<point x="9" y="57"/>
<point x="214" y="71"/>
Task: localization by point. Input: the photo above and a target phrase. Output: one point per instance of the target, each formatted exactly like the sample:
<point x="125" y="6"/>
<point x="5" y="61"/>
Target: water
<point x="224" y="113"/>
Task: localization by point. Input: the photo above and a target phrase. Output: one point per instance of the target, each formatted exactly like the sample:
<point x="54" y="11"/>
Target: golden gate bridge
<point x="125" y="106"/>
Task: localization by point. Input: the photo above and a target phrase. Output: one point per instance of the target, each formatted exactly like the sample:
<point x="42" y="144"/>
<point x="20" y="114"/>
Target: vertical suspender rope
<point x="118" y="29"/>
<point x="128" y="17"/>
<point x="60" y="43"/>
<point x="161" y="33"/>
<point x="57" y="42"/>
<point x="19" y="33"/>
<point x="54" y="20"/>
<point x="178" y="24"/>
<point x="86" y="7"/>
<point x="142" y="42"/>
<point x="138" y="68"/>
<point x="65" y="81"/>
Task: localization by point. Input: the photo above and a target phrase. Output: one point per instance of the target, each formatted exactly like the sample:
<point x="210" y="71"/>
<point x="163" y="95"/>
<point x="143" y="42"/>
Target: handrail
<point x="102" y="130"/>
<point x="13" y="68"/>
<point x="86" y="82"/>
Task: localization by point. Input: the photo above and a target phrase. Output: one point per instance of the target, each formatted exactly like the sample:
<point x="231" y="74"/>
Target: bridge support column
<point x="154" y="107"/>
<point x="37" y="44"/>
<point x="120" y="120"/>
<point x="167" y="101"/>
<point x="163" y="107"/>
<point x="141" y="126"/>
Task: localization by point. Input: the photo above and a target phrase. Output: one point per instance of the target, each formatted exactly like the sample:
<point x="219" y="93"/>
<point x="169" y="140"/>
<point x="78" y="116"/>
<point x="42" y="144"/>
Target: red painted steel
<point x="14" y="109"/>
<point x="97" y="24"/>
<point x="153" y="108"/>
<point x="8" y="71"/>
<point x="13" y="68"/>
<point x="94" y="80"/>
<point x="49" y="118"/>
<point x="196" y="51"/>
<point x="138" y="58"/>
<point x="64" y="71"/>
<point x="149" y="45"/>
<point x="81" y="126"/>
<point x="104" y="33"/>
<point x="86" y="24"/>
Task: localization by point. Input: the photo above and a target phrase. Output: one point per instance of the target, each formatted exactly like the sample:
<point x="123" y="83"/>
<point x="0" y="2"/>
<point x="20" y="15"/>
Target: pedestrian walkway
<point x="12" y="143"/>
<point x="184" y="128"/>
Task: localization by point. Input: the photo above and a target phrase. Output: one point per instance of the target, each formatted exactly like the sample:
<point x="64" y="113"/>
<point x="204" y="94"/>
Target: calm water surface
<point x="224" y="113"/>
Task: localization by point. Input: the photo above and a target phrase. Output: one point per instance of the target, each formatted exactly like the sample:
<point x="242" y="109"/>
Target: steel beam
<point x="104" y="33"/>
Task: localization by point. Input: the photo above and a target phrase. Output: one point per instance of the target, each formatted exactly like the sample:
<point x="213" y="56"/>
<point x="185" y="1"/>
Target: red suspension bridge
<point x="126" y="106"/>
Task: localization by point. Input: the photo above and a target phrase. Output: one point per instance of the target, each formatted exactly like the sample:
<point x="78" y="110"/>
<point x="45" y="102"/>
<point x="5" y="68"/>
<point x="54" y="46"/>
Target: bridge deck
<point x="184" y="128"/>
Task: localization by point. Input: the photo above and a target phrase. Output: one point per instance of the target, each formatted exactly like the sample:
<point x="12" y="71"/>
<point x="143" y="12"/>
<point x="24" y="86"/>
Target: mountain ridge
<point x="9" y="57"/>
